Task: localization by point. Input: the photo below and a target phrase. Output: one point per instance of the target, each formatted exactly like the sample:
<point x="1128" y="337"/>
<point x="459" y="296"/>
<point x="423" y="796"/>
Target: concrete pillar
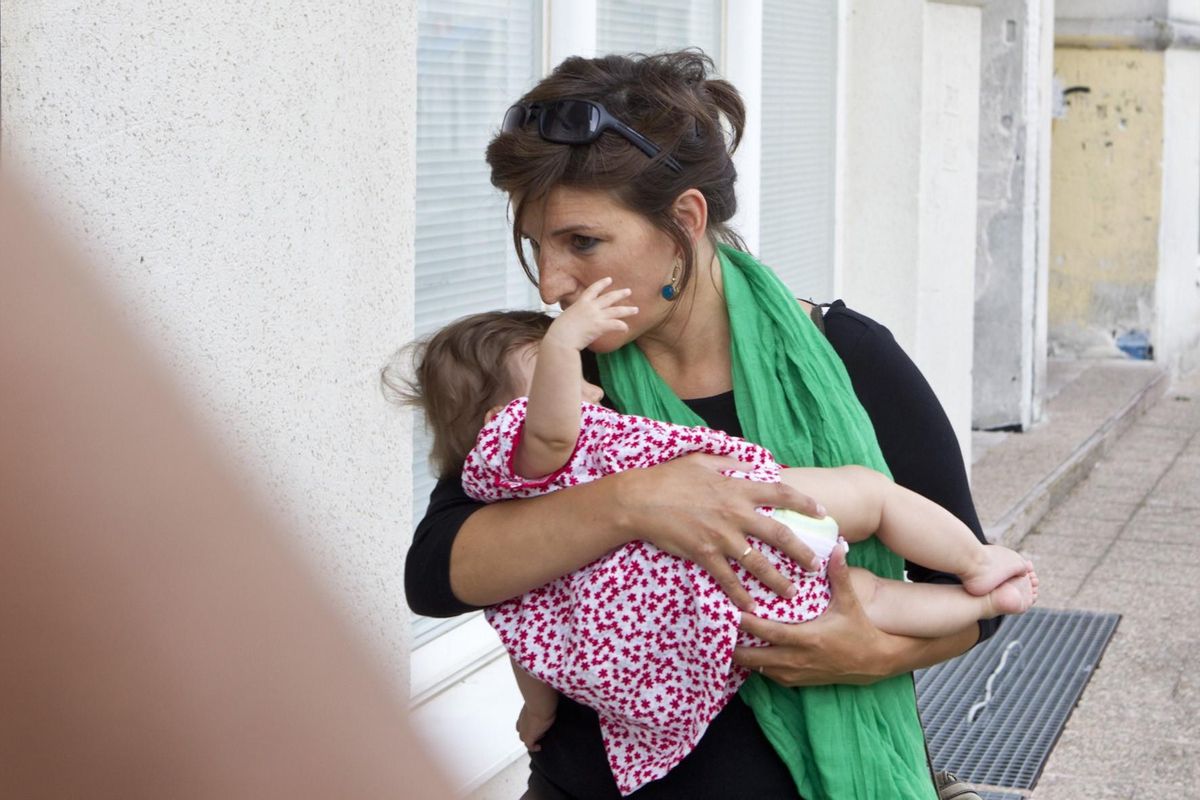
<point x="910" y="174"/>
<point x="570" y="27"/>
<point x="244" y="181"/>
<point x="743" y="68"/>
<point x="1013" y="148"/>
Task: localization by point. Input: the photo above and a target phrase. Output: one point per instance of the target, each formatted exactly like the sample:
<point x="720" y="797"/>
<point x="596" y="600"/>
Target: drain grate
<point x="999" y="796"/>
<point x="992" y="715"/>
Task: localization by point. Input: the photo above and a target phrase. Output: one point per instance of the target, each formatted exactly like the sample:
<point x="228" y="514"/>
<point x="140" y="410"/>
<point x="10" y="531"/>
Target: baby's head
<point x="460" y="372"/>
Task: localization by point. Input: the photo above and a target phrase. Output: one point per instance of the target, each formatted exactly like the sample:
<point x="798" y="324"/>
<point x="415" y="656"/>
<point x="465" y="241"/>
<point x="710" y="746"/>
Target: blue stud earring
<point x="669" y="292"/>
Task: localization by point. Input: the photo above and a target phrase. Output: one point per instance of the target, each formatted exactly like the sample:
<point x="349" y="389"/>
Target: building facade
<point x="284" y="193"/>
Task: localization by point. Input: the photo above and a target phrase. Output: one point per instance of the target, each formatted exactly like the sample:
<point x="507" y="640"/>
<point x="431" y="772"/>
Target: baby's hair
<point x="459" y="372"/>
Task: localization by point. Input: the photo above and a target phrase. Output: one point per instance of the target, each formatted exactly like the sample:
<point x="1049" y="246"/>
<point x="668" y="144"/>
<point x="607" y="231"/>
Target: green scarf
<point x="794" y="397"/>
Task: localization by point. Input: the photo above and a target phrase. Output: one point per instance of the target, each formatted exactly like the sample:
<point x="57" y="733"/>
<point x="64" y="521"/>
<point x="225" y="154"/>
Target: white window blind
<point x="474" y="59"/>
<point x="626" y="26"/>
<point x="799" y="120"/>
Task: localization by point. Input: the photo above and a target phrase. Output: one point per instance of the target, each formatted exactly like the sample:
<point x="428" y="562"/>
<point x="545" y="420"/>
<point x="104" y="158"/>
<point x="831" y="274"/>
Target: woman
<point x="620" y="168"/>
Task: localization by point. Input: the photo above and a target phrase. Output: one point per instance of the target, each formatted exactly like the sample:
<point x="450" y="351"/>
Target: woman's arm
<point x="920" y="447"/>
<point x="466" y="555"/>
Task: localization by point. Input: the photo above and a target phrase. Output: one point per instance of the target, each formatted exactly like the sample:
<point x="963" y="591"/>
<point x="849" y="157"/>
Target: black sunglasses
<point x="577" y="122"/>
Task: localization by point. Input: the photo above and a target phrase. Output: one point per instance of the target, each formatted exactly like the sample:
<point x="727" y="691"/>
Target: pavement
<point x="1120" y="533"/>
<point x="1103" y="493"/>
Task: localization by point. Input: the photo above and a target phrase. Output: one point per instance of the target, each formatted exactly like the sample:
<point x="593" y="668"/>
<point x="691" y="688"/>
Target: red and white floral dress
<point x="642" y="637"/>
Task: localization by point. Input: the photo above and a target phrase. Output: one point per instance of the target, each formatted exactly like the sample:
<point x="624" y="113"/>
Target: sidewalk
<point x="1125" y="538"/>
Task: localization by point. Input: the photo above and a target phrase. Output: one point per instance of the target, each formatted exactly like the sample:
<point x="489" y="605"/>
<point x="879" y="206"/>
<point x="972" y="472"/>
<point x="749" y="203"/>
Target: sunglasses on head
<point x="577" y="122"/>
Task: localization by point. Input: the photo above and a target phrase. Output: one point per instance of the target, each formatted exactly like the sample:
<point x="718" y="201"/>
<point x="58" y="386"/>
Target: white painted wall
<point x="908" y="209"/>
<point x="945" y="325"/>
<point x="1177" y="293"/>
<point x="243" y="176"/>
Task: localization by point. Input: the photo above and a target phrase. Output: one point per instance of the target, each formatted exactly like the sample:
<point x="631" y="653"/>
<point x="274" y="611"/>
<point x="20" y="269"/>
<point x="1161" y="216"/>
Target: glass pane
<point x="473" y="60"/>
<point x="626" y="26"/>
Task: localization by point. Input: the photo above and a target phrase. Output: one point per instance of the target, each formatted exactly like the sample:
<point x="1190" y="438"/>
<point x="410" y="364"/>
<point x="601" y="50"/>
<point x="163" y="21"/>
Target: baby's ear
<point x="491" y="414"/>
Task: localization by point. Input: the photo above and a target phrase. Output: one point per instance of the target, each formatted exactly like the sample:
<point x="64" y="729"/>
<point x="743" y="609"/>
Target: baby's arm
<point x="552" y="418"/>
<point x="541" y="704"/>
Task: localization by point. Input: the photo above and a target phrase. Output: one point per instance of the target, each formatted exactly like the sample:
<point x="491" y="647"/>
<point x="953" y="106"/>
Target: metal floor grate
<point x="1037" y="664"/>
<point x="999" y="796"/>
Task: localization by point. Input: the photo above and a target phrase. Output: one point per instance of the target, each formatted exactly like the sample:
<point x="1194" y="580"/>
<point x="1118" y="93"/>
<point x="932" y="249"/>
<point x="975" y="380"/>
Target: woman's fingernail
<point x="791" y="591"/>
<point x="820" y="509"/>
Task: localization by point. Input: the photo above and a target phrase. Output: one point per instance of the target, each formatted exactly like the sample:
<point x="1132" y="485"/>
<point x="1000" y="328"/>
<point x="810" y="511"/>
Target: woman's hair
<point x="669" y="99"/>
<point x="459" y="372"/>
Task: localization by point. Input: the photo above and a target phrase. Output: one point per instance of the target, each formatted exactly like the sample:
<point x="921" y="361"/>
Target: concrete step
<point x="1018" y="477"/>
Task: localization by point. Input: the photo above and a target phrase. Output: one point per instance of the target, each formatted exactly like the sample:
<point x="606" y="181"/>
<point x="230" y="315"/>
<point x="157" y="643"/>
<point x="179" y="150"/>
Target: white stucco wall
<point x="909" y="184"/>
<point x="243" y="177"/>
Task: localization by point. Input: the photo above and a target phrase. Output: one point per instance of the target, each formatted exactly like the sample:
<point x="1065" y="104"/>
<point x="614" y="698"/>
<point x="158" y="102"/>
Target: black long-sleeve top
<point x="922" y="452"/>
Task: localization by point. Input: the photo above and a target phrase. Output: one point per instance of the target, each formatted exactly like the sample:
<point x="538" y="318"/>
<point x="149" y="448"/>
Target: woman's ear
<point x="691" y="209"/>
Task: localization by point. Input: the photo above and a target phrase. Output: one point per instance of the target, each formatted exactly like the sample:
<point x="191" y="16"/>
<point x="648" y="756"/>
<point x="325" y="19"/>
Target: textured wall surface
<point x="1006" y="246"/>
<point x="909" y="181"/>
<point x="1106" y="198"/>
<point x="948" y="198"/>
<point x="243" y="176"/>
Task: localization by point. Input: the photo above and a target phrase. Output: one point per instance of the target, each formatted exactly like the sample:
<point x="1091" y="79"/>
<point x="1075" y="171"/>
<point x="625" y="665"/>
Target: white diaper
<point x="819" y="534"/>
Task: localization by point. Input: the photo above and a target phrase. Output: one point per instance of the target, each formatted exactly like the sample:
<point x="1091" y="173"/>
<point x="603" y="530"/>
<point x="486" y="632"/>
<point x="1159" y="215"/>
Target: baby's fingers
<point x="596" y="288"/>
<point x="620" y="312"/>
<point x="605" y="299"/>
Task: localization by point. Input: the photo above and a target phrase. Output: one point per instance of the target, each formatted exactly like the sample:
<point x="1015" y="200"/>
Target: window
<point x="626" y="26"/>
<point x="473" y="60"/>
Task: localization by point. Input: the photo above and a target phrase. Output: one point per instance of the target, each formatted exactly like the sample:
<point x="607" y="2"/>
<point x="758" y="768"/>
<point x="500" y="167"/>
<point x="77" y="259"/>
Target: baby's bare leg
<point x="931" y="610"/>
<point x="865" y="502"/>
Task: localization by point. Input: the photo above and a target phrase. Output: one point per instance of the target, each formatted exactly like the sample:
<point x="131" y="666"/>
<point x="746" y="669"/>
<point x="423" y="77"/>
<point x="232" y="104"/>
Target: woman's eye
<point x="583" y="243"/>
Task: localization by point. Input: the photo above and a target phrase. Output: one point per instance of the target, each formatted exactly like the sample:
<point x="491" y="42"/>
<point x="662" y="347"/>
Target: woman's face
<point x="578" y="236"/>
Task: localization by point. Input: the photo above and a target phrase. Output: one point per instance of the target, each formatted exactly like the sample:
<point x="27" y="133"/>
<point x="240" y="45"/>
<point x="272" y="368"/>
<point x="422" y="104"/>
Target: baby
<point x="643" y="637"/>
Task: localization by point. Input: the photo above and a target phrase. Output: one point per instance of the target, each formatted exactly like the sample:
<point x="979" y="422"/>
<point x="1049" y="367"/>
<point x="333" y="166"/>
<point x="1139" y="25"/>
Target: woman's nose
<point x="554" y="283"/>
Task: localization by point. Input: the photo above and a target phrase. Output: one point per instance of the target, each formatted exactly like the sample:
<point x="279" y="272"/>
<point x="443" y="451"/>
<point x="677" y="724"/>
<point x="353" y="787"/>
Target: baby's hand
<point x="532" y="726"/>
<point x="594" y="314"/>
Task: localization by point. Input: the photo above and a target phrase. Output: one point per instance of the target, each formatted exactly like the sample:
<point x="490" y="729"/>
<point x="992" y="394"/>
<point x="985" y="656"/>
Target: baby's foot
<point x="1014" y="596"/>
<point x="995" y="566"/>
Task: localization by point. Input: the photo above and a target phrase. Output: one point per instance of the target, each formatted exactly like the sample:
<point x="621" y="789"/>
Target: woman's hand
<point x="840" y="646"/>
<point x="687" y="508"/>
